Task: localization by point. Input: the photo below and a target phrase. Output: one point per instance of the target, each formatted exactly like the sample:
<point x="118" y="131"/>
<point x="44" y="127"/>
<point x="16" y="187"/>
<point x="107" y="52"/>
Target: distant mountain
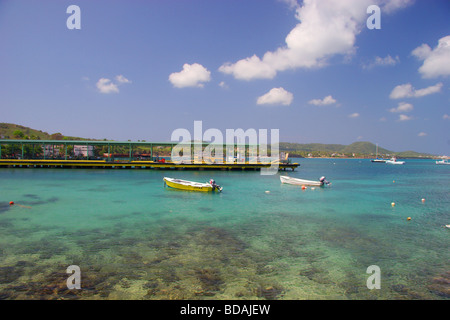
<point x="15" y="131"/>
<point x="310" y="147"/>
<point x="413" y="154"/>
<point x="365" y="148"/>
<point x="356" y="149"/>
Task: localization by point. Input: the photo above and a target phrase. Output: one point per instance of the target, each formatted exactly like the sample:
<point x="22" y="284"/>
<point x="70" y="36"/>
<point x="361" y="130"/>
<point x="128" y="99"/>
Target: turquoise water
<point x="135" y="239"/>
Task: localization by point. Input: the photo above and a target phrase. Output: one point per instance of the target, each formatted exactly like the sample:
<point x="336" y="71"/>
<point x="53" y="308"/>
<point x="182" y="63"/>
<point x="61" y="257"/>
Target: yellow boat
<point x="192" y="186"/>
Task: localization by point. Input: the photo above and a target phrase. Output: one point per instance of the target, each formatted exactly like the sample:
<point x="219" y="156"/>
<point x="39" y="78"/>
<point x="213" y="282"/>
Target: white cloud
<point x="402" y="91"/>
<point x="192" y="75"/>
<point x="446" y="117"/>
<point x="222" y="84"/>
<point x="407" y="91"/>
<point x="404" y="117"/>
<point x="403" y="107"/>
<point x="326" y="28"/>
<point x="386" y="61"/>
<point x="390" y="6"/>
<point x="436" y="62"/>
<point x="106" y="86"/>
<point x="322" y="102"/>
<point x="422" y="52"/>
<point x="276" y="96"/>
<point x="422" y="134"/>
<point x="429" y="90"/>
<point x="354" y="115"/>
<point x="249" y="68"/>
<point x="121" y="79"/>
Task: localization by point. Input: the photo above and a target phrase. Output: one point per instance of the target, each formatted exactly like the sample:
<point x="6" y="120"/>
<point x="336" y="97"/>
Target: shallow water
<point x="135" y="239"/>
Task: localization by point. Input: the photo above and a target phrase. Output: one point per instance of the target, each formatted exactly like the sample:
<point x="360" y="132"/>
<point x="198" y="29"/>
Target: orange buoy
<point x="423" y="200"/>
<point x="409" y="218"/>
<point x="303" y="187"/>
<point x="393" y="204"/>
<point x="11" y="203"/>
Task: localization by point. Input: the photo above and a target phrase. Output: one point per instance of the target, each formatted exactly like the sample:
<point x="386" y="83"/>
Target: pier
<point x="115" y="155"/>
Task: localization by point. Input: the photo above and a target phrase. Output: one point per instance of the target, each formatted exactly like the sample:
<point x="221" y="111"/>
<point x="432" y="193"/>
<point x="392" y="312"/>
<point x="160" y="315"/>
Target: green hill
<point x="364" y="148"/>
<point x="15" y="131"/>
<point x="361" y="149"/>
<point x="413" y="154"/>
<point x="310" y="147"/>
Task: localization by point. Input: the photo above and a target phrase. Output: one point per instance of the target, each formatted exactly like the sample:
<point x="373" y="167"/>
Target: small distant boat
<point x="394" y="161"/>
<point x="443" y="161"/>
<point x="378" y="160"/>
<point x="303" y="182"/>
<point x="192" y="186"/>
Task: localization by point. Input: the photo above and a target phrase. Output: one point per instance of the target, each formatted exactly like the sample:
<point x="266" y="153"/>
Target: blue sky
<point x="312" y="69"/>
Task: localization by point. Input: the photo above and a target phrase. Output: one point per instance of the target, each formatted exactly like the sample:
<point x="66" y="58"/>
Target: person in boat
<point x="214" y="185"/>
<point x="324" y="181"/>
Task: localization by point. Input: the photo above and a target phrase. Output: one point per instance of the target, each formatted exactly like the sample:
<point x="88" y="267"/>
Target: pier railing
<point x="116" y="154"/>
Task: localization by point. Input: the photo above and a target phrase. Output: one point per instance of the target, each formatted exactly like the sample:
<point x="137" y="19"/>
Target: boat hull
<point x="395" y="162"/>
<point x="188" y="185"/>
<point x="300" y="182"/>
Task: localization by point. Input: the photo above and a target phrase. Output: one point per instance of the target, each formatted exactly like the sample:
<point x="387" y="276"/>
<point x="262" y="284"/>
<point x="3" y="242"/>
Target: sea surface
<point x="134" y="238"/>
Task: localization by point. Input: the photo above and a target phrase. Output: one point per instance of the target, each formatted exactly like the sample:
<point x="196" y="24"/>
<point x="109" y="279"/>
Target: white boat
<point x="303" y="182"/>
<point x="394" y="161"/>
<point x="443" y="161"/>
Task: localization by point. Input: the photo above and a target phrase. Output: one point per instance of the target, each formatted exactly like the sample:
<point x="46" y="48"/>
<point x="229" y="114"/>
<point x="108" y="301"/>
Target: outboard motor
<point x="323" y="180"/>
<point x="215" y="185"/>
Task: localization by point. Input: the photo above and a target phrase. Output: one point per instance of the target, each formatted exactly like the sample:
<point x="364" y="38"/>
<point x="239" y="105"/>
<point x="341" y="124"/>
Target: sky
<point x="320" y="71"/>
